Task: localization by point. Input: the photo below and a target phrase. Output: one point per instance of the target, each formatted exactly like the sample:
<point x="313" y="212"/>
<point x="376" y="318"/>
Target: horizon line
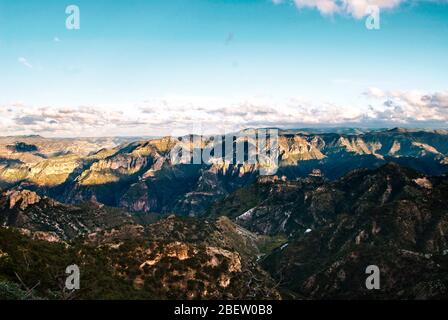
<point x="323" y="129"/>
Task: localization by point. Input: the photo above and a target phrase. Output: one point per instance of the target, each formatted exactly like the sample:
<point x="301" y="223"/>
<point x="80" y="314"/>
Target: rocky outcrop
<point x="25" y="209"/>
<point x="21" y="198"/>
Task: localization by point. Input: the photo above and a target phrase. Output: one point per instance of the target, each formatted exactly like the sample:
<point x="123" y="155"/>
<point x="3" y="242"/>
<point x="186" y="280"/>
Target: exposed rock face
<point x="234" y="258"/>
<point x="327" y="221"/>
<point x="391" y="217"/>
<point x="138" y="172"/>
<point x="424" y="182"/>
<point x="140" y="177"/>
<point x="41" y="235"/>
<point x="171" y="259"/>
<point x="22" y="198"/>
<point x="271" y="205"/>
<point x="298" y="148"/>
<point x="53" y="172"/>
<point x="112" y="169"/>
<point x="177" y="250"/>
<point x="195" y="280"/>
<point x="25" y="209"/>
<point x="314" y="236"/>
<point x="36" y="147"/>
<point x="22" y="147"/>
<point x="207" y="259"/>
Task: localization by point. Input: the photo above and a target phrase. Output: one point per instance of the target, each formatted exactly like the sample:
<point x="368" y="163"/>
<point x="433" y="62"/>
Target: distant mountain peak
<point x="401" y="130"/>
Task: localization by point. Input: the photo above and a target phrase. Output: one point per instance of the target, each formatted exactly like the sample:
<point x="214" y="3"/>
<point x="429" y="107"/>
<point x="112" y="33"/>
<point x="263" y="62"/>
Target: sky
<point x="159" y="67"/>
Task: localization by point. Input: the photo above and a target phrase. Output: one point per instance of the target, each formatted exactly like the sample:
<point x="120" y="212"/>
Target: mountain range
<point x="139" y="176"/>
<point x="339" y="201"/>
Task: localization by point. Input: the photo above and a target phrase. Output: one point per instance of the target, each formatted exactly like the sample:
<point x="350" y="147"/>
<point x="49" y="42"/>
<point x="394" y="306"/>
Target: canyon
<point x="338" y="202"/>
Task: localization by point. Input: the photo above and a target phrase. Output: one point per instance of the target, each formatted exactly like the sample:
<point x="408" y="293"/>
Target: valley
<point x="142" y="227"/>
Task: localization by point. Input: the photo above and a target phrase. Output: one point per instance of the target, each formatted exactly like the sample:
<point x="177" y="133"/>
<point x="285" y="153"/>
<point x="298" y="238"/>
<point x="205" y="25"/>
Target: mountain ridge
<point x="136" y="170"/>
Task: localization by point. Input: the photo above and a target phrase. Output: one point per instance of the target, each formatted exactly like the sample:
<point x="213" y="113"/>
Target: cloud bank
<point x="180" y="115"/>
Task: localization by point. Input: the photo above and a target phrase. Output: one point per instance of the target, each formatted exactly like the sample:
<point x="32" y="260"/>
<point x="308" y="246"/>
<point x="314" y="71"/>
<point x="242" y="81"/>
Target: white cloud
<point x="355" y="8"/>
<point x="358" y="8"/>
<point x="80" y="121"/>
<point x="24" y="62"/>
<point x="411" y="107"/>
<point x="326" y="7"/>
<point x="374" y="92"/>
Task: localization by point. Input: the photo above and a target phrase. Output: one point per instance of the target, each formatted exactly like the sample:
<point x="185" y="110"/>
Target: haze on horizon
<point x="157" y="68"/>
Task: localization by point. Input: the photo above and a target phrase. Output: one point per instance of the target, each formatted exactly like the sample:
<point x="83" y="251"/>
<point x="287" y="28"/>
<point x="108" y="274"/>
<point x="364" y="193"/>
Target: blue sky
<point x="150" y="67"/>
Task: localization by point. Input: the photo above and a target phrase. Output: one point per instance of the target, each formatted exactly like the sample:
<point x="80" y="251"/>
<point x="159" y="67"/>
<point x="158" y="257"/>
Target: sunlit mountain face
<point x="230" y="150"/>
